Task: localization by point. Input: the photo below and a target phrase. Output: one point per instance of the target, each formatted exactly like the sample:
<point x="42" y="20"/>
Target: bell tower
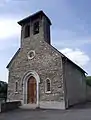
<point x="35" y="27"/>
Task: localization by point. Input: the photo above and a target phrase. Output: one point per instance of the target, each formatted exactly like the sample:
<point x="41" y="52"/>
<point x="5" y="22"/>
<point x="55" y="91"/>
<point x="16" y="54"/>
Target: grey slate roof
<point x="32" y="16"/>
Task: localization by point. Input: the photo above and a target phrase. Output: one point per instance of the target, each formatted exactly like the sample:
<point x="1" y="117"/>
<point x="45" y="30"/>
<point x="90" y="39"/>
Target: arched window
<point x="27" y="31"/>
<point x="36" y="28"/>
<point x="48" y="86"/>
<point x="16" y="86"/>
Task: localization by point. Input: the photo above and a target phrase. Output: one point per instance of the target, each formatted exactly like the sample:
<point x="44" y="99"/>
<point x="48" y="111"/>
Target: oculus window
<point x="31" y="54"/>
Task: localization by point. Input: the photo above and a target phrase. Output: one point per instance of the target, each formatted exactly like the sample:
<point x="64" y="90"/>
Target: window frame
<point x="46" y="91"/>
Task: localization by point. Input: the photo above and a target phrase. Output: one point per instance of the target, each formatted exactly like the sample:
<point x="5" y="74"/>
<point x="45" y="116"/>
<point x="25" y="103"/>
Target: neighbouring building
<point x="40" y="74"/>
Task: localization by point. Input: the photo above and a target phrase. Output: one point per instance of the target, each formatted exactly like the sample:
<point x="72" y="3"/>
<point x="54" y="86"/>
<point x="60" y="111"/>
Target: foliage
<point x="3" y="89"/>
<point x="88" y="80"/>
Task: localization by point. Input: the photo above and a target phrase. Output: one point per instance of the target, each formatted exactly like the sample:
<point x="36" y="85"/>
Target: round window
<point x="31" y="54"/>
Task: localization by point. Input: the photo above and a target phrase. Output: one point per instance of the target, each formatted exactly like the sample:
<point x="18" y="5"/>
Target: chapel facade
<point x="39" y="74"/>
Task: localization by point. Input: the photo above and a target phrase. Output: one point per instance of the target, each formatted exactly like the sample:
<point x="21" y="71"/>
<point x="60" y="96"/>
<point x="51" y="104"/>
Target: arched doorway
<point x="31" y="90"/>
<point x="25" y="84"/>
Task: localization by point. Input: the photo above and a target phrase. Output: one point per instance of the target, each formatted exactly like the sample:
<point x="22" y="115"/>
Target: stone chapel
<point x="41" y="75"/>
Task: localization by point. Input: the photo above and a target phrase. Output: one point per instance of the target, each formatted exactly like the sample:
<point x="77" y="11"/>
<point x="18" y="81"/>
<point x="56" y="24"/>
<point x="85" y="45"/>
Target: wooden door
<point x="31" y="90"/>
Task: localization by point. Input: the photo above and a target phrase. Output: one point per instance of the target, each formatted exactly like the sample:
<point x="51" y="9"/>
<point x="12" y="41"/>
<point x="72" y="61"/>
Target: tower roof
<point x="37" y="14"/>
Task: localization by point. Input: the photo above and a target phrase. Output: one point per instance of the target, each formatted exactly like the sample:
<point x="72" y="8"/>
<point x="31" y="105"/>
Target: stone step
<point x="28" y="106"/>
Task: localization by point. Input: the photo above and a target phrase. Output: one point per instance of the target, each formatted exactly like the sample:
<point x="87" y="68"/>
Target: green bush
<point x="3" y="90"/>
<point x="88" y="80"/>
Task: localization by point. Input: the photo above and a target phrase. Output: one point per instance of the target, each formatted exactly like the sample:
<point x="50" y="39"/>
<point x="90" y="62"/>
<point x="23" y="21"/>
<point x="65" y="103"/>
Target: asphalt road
<point x="76" y="113"/>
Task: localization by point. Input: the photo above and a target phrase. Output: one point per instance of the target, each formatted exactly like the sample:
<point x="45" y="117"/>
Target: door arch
<point x="31" y="90"/>
<point x="25" y="79"/>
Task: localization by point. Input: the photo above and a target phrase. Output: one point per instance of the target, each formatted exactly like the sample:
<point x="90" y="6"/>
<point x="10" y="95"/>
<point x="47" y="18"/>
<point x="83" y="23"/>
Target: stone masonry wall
<point x="47" y="63"/>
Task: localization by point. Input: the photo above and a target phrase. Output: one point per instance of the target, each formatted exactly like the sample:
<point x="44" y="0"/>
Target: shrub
<point x="88" y="80"/>
<point x="3" y="90"/>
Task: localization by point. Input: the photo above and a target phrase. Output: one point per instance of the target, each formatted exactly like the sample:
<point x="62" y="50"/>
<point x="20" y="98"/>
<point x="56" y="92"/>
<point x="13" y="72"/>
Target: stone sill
<point x="16" y="92"/>
<point x="48" y="92"/>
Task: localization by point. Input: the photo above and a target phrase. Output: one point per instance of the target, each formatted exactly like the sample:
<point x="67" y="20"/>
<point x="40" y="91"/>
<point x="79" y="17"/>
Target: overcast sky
<point x="70" y="30"/>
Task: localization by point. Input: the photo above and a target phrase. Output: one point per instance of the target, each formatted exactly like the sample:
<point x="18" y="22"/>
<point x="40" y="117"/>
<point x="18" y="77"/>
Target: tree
<point x="88" y="80"/>
<point x="3" y="90"/>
